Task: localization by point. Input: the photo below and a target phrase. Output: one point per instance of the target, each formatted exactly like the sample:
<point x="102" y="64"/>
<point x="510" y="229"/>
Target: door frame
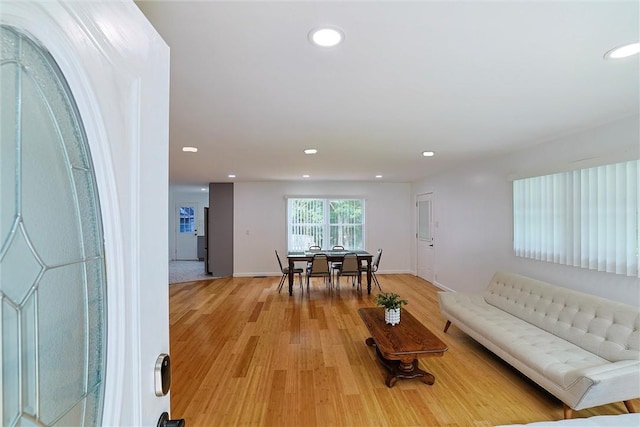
<point x="83" y="37"/>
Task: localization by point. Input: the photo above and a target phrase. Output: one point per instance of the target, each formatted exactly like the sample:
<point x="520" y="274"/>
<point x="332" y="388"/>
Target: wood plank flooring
<point x="244" y="355"/>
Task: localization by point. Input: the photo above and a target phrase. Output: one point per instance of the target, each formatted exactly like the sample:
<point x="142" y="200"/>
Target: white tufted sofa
<point x="583" y="349"/>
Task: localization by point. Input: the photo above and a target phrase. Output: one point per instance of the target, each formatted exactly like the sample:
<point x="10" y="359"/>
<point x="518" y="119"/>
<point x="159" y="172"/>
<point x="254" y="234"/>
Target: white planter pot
<point x="392" y="316"/>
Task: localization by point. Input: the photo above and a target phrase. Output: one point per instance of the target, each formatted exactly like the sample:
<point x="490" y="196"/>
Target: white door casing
<point x="425" y="236"/>
<point x="117" y="67"/>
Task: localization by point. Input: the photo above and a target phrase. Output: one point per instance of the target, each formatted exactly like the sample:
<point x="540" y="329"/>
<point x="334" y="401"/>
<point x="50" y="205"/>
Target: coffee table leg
<point x="391" y="380"/>
<point x="407" y="368"/>
<point x="428" y="378"/>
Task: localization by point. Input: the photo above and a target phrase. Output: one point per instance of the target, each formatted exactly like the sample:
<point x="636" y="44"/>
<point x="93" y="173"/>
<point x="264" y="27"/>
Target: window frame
<point x="325" y="225"/>
<point x="186" y="220"/>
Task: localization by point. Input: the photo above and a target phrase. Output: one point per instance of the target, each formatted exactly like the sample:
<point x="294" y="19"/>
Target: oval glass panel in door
<point x="52" y="266"/>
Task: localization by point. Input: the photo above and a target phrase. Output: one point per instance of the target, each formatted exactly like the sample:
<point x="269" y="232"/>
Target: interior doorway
<point x="425" y="237"/>
<point x="186" y="231"/>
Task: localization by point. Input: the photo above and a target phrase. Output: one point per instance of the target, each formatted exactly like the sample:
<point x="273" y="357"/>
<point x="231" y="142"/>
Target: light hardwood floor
<point x="245" y="355"/>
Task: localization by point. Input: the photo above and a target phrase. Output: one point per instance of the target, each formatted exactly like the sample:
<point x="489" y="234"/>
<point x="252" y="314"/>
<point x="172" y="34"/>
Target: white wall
<point x="179" y="195"/>
<point x="473" y="211"/>
<point x="260" y="221"/>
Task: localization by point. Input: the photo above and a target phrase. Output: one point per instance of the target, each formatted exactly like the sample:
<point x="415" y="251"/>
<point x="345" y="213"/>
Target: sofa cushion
<point x="608" y="329"/>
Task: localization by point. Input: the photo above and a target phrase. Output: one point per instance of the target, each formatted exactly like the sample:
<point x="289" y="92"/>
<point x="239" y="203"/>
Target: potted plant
<point x="391" y="303"/>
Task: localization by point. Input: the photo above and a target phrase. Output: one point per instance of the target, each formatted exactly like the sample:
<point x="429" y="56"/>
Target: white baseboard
<point x="268" y="274"/>
<point x="394" y="272"/>
<point x="443" y="287"/>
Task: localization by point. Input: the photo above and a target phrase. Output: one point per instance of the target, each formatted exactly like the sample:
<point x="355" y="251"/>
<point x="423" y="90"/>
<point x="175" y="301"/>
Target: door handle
<point x="164" y="421"/>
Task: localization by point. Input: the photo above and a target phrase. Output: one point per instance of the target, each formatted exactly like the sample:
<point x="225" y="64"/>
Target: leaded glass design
<point x="52" y="266"/>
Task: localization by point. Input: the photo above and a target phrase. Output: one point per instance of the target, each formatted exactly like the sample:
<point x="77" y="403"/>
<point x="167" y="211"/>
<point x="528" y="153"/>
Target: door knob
<point x="164" y="421"/>
<point x="162" y="374"/>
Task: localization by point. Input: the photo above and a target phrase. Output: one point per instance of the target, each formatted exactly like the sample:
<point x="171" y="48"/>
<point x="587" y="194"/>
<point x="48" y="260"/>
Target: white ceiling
<point x="464" y="79"/>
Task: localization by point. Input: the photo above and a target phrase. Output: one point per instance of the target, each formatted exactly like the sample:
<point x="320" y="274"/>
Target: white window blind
<point x="325" y="222"/>
<point x="586" y="218"/>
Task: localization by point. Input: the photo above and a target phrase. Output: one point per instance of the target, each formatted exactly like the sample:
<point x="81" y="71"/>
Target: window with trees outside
<point x="586" y="218"/>
<point x="187" y="219"/>
<point x="325" y="222"/>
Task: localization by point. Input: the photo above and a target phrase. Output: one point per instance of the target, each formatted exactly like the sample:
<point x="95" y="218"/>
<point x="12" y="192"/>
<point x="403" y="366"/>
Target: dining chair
<point x="285" y="273"/>
<point x="313" y="248"/>
<point x="320" y="268"/>
<point x="350" y="267"/>
<point x="335" y="266"/>
<point x="375" y="262"/>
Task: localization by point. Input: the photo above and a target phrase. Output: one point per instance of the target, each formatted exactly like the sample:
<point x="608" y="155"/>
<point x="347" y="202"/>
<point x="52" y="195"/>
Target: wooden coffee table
<point x="398" y="347"/>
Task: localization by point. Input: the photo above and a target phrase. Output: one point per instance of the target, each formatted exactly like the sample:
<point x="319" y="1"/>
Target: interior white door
<point x="186" y="230"/>
<point x="424" y="236"/>
<point x="116" y="69"/>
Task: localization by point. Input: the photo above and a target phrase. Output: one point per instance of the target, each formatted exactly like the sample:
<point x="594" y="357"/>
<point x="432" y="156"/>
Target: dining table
<point x="332" y="256"/>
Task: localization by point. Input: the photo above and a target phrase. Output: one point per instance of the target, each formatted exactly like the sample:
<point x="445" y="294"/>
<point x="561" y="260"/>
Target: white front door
<point x="424" y="236"/>
<point x="187" y="219"/>
<point x="83" y="224"/>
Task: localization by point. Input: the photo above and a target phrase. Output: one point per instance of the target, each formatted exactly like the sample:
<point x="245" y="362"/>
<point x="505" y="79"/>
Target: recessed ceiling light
<point x="190" y="149"/>
<point x="305" y="176"/>
<point x="231" y="175"/>
<point x="310" y="151"/>
<point x="378" y="176"/>
<point x="428" y="153"/>
<point x="623" y="51"/>
<point x="326" y="36"/>
<point x="203" y="189"/>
